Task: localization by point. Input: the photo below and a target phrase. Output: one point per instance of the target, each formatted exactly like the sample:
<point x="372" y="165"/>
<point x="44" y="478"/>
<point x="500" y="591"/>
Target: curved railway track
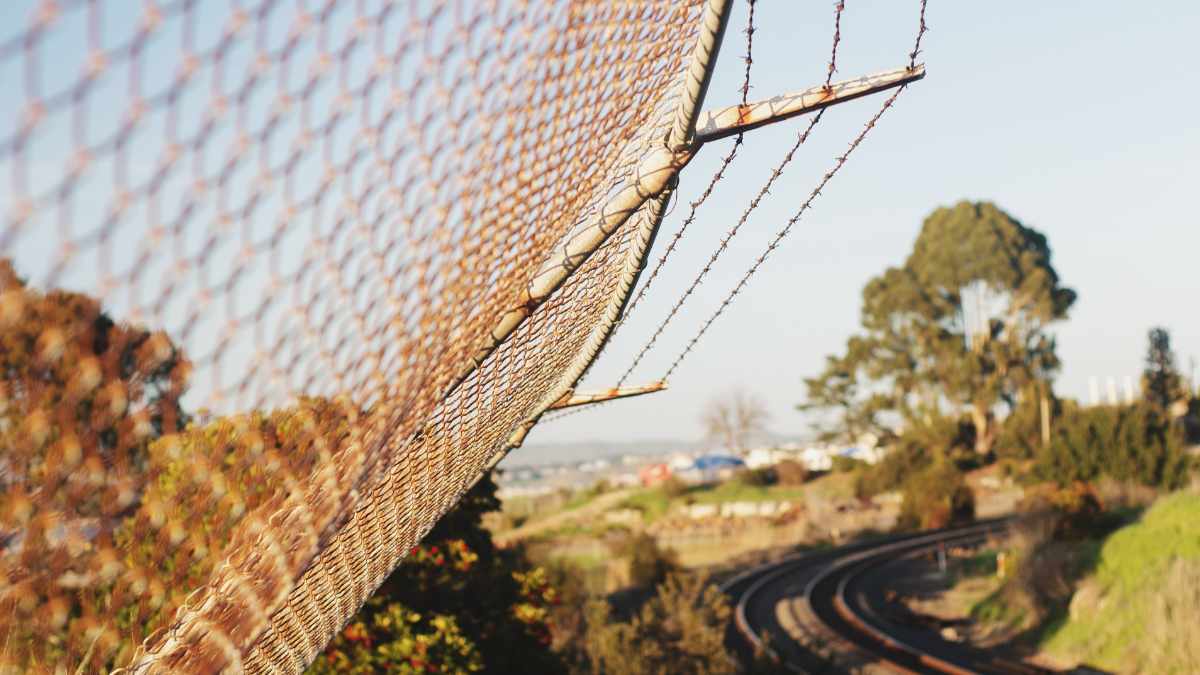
<point x="844" y="590"/>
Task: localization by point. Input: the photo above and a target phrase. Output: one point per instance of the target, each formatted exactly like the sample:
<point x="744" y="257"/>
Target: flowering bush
<point x="399" y="640"/>
<point x="456" y="604"/>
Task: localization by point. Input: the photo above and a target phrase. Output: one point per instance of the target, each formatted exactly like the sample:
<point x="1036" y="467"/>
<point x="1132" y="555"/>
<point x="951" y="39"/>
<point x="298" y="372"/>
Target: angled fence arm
<point x="723" y="122"/>
<point x="661" y="168"/>
<point x="574" y="400"/>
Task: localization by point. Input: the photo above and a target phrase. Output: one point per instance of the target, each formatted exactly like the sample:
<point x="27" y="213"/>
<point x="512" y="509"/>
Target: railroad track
<point x="844" y="590"/>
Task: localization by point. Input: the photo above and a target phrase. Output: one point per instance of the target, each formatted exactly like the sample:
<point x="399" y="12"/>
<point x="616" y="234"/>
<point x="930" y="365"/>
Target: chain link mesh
<point x="248" y="247"/>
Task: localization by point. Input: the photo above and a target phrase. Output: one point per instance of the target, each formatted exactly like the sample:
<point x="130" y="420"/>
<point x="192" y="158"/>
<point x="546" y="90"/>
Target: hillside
<point x="1140" y="609"/>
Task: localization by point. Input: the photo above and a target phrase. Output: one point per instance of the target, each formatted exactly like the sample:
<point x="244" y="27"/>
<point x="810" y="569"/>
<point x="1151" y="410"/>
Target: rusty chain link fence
<point x="280" y="279"/>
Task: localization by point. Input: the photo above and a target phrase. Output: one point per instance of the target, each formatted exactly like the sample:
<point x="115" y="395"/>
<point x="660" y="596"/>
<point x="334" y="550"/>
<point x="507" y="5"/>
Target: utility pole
<point x="1044" y="405"/>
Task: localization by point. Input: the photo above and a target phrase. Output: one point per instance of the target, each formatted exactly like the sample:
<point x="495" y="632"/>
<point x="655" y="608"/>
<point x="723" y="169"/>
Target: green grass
<point x="1117" y="630"/>
<point x="736" y="491"/>
<point x="578" y="499"/>
<point x="652" y="502"/>
<point x="982" y="563"/>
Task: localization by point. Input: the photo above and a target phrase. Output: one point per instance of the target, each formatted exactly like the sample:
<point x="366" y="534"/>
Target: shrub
<point x="1020" y="435"/>
<point x="791" y="472"/>
<point x="757" y="477"/>
<point x="1128" y="443"/>
<point x="493" y="605"/>
<point x="914" y="450"/>
<point x="398" y="640"/>
<point x="674" y="487"/>
<point x="649" y="565"/>
<point x="842" y="464"/>
<point x="936" y="496"/>
<point x="681" y="630"/>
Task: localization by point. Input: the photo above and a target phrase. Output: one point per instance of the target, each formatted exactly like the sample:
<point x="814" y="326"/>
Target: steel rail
<point x="853" y="567"/>
<point x="844" y="568"/>
<point x="763" y="576"/>
<point x="956" y="659"/>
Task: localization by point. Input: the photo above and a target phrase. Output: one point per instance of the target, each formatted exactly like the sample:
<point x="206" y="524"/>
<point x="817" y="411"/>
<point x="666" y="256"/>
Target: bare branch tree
<point x="734" y="419"/>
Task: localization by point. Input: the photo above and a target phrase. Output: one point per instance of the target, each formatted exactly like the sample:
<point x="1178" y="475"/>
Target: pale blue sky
<point x="1079" y="118"/>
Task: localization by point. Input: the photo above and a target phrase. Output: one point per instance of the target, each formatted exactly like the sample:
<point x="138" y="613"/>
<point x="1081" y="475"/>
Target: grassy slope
<point x="1116" y="629"/>
<point x="654" y="503"/>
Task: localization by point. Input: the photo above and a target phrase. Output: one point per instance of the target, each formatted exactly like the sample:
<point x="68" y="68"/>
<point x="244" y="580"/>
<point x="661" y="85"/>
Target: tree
<point x="734" y="419"/>
<point x="1162" y="384"/>
<point x="82" y="399"/>
<point x="959" y="328"/>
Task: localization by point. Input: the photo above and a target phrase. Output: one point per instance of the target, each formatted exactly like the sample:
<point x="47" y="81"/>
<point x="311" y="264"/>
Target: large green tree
<point x="959" y="328"/>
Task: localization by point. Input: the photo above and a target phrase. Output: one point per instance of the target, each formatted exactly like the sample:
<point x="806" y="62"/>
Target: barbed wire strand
<point x="744" y="89"/>
<point x="779" y="236"/>
<point x="712" y="183"/>
<point x="753" y="205"/>
<point x="837" y="37"/>
<point x="922" y="29"/>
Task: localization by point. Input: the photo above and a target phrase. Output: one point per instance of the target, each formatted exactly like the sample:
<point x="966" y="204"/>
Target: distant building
<point x="680" y="462"/>
<point x="820" y="457"/>
<point x="654" y="474"/>
<point x="759" y="458"/>
<point x="625" y="479"/>
<point x="816" y="458"/>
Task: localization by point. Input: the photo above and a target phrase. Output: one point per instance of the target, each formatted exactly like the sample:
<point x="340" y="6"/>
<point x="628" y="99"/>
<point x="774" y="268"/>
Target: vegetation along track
<point x="844" y="590"/>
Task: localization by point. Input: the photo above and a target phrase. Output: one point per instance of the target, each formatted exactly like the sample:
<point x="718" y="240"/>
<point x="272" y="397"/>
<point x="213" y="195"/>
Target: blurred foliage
<point x="680" y="631"/>
<point x="789" y="472"/>
<point x="760" y="477"/>
<point x="1140" y="609"/>
<point x="1135" y="443"/>
<point x="674" y="487"/>
<point x="478" y="606"/>
<point x="82" y="397"/>
<point x="914" y="450"/>
<point x="649" y="565"/>
<point x="1162" y="384"/>
<point x="936" y="496"/>
<point x="397" y="640"/>
<point x="201" y="483"/>
<point x="1020" y="434"/>
<point x="844" y="464"/>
